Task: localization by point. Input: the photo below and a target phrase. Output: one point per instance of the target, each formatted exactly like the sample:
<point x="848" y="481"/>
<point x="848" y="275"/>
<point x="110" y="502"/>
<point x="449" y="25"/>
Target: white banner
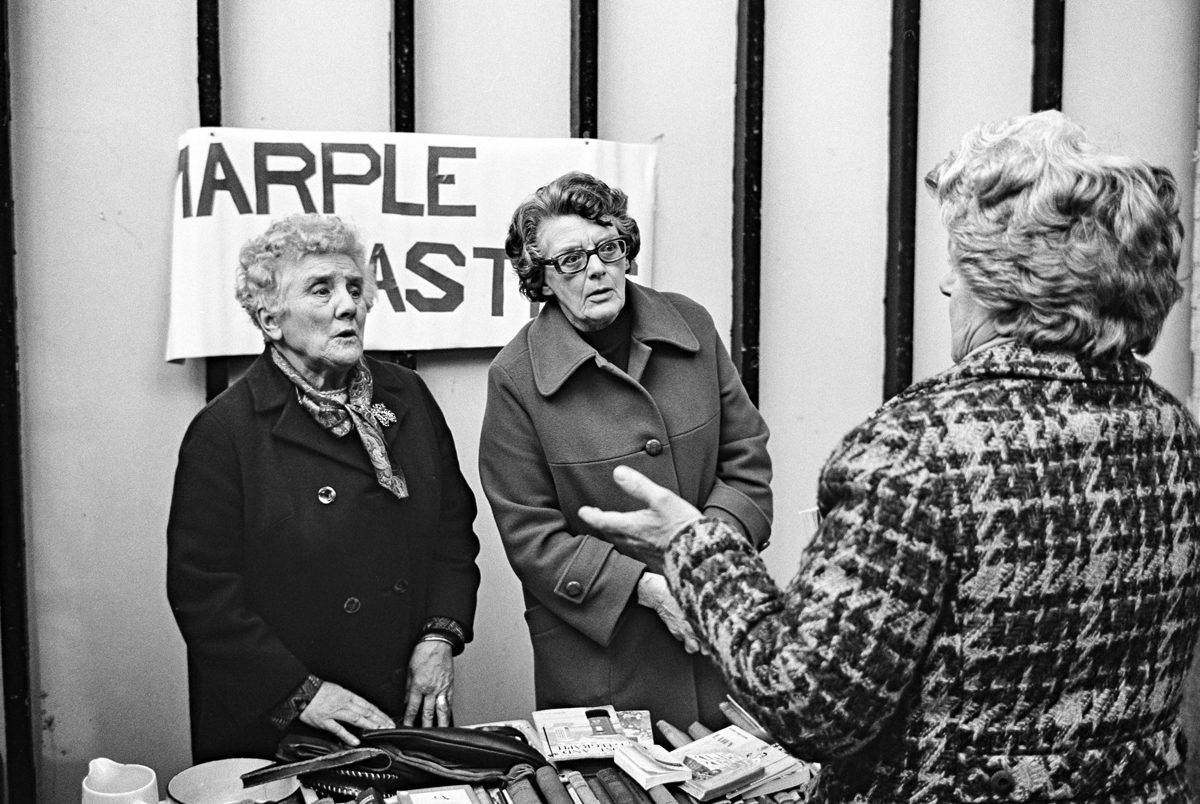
<point x="433" y="211"/>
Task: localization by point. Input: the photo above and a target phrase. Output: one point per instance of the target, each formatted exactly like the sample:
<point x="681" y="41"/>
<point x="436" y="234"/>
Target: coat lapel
<point x="275" y="399"/>
<point x="392" y="398"/>
<point x="556" y="350"/>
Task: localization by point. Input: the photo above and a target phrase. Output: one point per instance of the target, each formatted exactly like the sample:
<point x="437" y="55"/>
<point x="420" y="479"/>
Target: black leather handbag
<point x="401" y="759"/>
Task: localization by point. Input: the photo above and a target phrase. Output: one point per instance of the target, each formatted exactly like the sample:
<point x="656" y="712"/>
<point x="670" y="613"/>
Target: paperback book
<point x="650" y="765"/>
<point x="589" y="732"/>
<point x="732" y="762"/>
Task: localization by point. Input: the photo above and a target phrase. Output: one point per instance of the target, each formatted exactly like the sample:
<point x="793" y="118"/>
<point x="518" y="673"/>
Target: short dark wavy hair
<point x="1069" y="247"/>
<point x="573" y="193"/>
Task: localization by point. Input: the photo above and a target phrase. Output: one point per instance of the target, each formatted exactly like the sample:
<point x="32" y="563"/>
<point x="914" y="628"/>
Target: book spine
<point x="741" y="718"/>
<point x="616" y="788"/>
<point x="598" y="791"/>
<point x="521" y="791"/>
<point x="577" y="783"/>
<point x="672" y="735"/>
<point x="551" y="786"/>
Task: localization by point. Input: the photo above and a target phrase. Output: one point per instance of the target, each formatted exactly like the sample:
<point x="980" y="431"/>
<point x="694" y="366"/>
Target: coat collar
<point x="556" y="350"/>
<point x="1009" y="359"/>
<point x="271" y="392"/>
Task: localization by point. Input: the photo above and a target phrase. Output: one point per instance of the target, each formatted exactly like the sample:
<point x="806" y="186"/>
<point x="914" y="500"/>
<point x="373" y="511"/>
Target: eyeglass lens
<point x="575" y="261"/>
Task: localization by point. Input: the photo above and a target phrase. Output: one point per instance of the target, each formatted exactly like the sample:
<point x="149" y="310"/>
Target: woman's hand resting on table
<point x="430" y="685"/>
<point x="334" y="705"/>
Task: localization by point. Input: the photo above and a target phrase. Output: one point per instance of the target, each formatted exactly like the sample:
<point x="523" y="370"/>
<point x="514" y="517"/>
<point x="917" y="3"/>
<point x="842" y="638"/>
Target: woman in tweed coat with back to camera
<point x="1002" y="599"/>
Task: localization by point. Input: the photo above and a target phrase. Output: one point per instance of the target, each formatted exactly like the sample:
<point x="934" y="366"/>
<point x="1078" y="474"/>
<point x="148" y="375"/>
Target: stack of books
<point x="739" y="764"/>
<point x="732" y="763"/>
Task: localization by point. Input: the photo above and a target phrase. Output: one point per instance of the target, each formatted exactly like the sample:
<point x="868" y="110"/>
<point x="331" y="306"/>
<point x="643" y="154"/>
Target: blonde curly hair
<point x="286" y="241"/>
<point x="1070" y="248"/>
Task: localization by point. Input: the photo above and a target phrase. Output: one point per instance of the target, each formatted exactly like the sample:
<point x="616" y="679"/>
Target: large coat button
<point x="352" y="605"/>
<point x="573" y="588"/>
<point x="400" y="586"/>
<point x="326" y="495"/>
<point x="653" y="447"/>
<point x="1002" y="783"/>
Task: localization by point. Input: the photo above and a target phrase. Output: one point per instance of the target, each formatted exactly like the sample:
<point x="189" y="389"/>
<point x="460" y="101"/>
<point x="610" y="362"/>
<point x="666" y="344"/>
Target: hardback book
<point x="588" y="732"/>
<point x="731" y="761"/>
<point x="650" y="765"/>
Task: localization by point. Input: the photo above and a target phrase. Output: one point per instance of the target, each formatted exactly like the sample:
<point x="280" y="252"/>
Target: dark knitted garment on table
<point x="1002" y="599"/>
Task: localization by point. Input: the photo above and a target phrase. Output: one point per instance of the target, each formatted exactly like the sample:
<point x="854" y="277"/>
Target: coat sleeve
<point x="550" y="561"/>
<point x="741" y="494"/>
<point x="824" y="663"/>
<point x="241" y="658"/>
<point x="455" y="582"/>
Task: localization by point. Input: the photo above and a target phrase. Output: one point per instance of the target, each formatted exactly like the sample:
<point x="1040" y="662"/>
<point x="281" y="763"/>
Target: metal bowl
<point x="220" y="782"/>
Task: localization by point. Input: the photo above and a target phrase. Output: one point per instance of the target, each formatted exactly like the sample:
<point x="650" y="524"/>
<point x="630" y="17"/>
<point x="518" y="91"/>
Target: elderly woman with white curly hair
<point x="321" y="557"/>
<point x="1003" y="596"/>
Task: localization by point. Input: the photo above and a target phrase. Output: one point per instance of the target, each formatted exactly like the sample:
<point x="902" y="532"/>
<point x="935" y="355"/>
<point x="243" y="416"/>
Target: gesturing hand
<point x="653" y="592"/>
<point x="643" y="534"/>
<point x="430" y="684"/>
<point x="334" y="705"/>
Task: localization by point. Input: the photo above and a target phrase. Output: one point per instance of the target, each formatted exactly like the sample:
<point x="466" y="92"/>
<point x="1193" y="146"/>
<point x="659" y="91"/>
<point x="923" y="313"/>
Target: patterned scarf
<point x="350" y="408"/>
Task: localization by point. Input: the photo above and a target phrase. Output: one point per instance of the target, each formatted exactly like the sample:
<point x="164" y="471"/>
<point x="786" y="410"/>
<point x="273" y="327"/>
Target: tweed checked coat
<point x="1001" y="601"/>
<point x="559" y="418"/>
<point x="286" y="557"/>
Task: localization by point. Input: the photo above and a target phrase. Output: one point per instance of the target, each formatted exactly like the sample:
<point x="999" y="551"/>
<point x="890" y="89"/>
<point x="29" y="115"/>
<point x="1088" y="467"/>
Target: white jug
<point x="111" y="782"/>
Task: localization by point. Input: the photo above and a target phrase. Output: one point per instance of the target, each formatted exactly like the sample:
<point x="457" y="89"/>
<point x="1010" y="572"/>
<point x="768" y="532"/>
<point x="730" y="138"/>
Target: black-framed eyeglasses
<point x="574" y="261"/>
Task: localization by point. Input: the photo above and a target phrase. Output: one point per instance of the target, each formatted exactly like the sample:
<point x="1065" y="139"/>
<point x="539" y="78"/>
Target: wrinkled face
<point x="591" y="298"/>
<point x="319" y="328"/>
<point x="971" y="324"/>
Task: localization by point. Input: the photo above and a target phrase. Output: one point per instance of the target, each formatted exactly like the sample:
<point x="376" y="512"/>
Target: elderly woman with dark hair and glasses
<point x="611" y="372"/>
<point x="1003" y="596"/>
<point x="321" y="557"/>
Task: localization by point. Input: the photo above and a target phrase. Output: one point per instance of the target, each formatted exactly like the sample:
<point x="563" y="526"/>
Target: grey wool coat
<point x="286" y="557"/>
<point x="1002" y="599"/>
<point x="559" y="418"/>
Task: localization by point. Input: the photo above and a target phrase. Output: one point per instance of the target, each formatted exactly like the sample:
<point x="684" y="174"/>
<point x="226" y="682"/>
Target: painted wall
<point x="102" y="90"/>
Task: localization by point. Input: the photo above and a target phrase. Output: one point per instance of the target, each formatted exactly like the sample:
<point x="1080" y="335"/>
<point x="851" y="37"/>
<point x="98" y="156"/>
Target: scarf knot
<point x="347" y="409"/>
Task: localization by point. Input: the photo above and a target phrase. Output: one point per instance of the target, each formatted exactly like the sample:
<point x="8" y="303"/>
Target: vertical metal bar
<point x="902" y="196"/>
<point x="747" y="191"/>
<point x="208" y="79"/>
<point x="20" y="775"/>
<point x="585" y="25"/>
<point x="1048" y="25"/>
<point x="404" y="97"/>
<point x="403" y="60"/>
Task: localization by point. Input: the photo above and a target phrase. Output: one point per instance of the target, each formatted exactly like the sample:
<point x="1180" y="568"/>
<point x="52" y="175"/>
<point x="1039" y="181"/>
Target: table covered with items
<point x="576" y="755"/>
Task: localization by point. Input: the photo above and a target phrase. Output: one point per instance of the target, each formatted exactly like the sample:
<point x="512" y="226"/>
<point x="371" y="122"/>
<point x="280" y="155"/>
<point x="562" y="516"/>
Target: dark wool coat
<point x="1001" y="601"/>
<point x="269" y="582"/>
<point x="559" y="418"/>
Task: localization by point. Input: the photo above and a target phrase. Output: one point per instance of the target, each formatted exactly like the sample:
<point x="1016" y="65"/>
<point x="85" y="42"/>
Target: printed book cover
<point x="447" y="794"/>
<point x="589" y="732"/>
<point x="731" y="760"/>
